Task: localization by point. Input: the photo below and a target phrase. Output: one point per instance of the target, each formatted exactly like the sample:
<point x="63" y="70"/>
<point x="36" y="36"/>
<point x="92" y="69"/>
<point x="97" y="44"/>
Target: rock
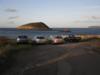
<point x="35" y="26"/>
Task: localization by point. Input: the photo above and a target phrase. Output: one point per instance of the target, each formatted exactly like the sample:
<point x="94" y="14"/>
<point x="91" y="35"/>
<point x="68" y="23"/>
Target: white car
<point x="57" y="39"/>
<point x="40" y="40"/>
<point x="22" y="39"/>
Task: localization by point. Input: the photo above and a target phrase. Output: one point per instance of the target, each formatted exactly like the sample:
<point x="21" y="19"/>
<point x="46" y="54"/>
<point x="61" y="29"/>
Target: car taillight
<point x="55" y="40"/>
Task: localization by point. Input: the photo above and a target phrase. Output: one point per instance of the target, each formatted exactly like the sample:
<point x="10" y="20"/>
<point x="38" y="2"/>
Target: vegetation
<point x="8" y="51"/>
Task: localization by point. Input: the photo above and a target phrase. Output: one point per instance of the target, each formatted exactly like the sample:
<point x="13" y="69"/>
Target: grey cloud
<point x="91" y="17"/>
<point x="13" y="17"/>
<point x="87" y="21"/>
<point x="95" y="17"/>
<point x="11" y="10"/>
<point x="11" y="22"/>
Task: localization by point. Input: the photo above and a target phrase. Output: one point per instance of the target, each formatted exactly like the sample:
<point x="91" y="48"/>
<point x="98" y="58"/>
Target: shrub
<point x="4" y="40"/>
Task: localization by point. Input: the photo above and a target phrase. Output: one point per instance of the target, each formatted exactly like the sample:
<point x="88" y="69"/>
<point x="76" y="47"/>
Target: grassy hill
<point x="36" y="26"/>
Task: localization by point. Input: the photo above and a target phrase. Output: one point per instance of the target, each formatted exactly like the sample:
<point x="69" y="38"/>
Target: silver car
<point x="40" y="40"/>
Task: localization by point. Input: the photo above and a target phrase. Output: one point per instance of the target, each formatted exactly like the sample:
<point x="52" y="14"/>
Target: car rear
<point x="40" y="40"/>
<point x="57" y="40"/>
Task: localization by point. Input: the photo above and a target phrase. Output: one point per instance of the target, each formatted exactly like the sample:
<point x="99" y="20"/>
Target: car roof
<point x="22" y="36"/>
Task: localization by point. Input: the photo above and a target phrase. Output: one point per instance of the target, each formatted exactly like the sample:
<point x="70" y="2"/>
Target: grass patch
<point x="8" y="52"/>
<point x="90" y="39"/>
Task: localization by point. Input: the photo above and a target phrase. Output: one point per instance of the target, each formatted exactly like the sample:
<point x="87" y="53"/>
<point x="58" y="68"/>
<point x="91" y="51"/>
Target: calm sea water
<point x="13" y="33"/>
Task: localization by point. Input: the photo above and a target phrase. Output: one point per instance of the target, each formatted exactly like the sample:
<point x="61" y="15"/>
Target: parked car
<point x="72" y="38"/>
<point x="23" y="39"/>
<point x="40" y="40"/>
<point x="57" y="39"/>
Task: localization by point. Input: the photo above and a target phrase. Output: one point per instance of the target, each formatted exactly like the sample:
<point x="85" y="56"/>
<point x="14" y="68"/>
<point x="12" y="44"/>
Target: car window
<point x="59" y="37"/>
<point x="22" y="36"/>
<point x="41" y="37"/>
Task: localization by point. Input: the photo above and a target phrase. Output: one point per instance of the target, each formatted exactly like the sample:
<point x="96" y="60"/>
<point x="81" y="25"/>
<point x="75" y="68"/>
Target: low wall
<point x="84" y="36"/>
<point x="87" y="36"/>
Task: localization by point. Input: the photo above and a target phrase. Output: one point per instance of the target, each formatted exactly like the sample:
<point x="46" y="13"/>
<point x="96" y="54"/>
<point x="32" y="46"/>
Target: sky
<point x="54" y="13"/>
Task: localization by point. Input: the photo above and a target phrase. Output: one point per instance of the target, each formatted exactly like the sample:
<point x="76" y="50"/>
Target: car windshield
<point x="59" y="37"/>
<point x="71" y="36"/>
<point x="41" y="37"/>
<point x="22" y="36"/>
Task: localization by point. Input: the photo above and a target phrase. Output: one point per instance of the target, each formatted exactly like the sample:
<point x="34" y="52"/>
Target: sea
<point x="13" y="32"/>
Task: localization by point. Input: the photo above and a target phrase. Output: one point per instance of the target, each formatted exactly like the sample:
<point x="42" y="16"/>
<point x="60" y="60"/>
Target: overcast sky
<point x="55" y="13"/>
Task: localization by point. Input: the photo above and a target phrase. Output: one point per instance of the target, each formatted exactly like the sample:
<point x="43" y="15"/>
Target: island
<point x="34" y="26"/>
<point x="94" y="27"/>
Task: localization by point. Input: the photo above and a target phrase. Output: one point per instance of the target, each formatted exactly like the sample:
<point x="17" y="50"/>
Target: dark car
<point x="72" y="38"/>
<point x="23" y="39"/>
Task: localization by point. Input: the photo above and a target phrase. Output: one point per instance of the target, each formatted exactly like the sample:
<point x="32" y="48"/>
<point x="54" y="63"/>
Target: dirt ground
<point x="66" y="59"/>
